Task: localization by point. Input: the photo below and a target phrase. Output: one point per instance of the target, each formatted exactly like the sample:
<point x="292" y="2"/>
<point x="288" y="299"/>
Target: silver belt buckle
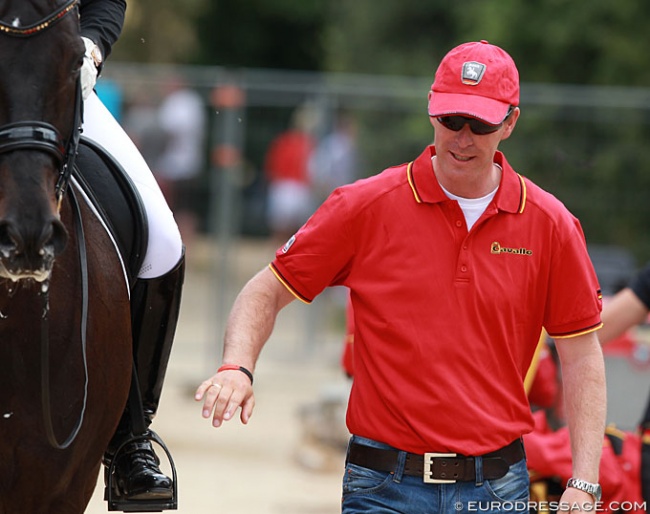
<point x="428" y="462"/>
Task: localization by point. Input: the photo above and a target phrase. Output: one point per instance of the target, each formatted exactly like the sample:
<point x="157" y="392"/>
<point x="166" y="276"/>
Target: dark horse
<point x="65" y="329"/>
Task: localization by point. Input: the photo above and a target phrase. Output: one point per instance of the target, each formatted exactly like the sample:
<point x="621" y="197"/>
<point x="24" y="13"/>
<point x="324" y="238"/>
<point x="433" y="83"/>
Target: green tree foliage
<point x="260" y="34"/>
<point x="564" y="41"/>
<point x="402" y="38"/>
<point x="557" y="41"/>
<point x="160" y="31"/>
<point x="590" y="154"/>
<point x="596" y="164"/>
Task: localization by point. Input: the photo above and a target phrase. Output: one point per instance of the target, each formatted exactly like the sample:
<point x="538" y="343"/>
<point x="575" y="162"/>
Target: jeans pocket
<point x="513" y="486"/>
<point x="358" y="479"/>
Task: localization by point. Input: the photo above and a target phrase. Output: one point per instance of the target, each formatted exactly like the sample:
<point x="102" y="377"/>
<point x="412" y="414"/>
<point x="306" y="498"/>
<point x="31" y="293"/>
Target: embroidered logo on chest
<point x="496" y="248"/>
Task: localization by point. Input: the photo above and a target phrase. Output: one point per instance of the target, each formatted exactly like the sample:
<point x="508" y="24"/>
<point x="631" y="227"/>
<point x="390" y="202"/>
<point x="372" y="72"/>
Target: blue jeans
<point x="378" y="492"/>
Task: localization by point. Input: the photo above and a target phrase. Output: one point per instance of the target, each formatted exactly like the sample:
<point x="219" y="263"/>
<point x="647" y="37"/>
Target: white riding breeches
<point x="165" y="246"/>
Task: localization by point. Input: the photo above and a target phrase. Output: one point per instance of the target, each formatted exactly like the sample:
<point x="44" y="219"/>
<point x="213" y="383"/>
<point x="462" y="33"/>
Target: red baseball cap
<point x="475" y="79"/>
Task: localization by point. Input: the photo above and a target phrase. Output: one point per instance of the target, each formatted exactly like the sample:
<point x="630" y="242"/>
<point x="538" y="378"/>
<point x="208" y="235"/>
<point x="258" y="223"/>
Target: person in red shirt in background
<point x="286" y="168"/>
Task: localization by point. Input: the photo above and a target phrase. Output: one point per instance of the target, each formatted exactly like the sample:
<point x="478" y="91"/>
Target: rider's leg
<point x="155" y="304"/>
<point x="155" y="300"/>
<point x="165" y="245"/>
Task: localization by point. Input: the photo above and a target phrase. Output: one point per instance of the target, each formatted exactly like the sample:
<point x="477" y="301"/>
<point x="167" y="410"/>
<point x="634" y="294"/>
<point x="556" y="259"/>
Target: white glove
<point x="89" y="68"/>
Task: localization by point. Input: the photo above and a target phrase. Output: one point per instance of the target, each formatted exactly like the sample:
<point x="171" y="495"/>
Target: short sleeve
<point x="320" y="253"/>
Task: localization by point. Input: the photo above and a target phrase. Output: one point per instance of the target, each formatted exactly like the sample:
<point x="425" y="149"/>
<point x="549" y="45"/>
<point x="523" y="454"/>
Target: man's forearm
<point x="586" y="407"/>
<point x="252" y="318"/>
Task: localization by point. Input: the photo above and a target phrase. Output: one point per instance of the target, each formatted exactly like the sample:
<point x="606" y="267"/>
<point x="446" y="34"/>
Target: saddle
<point x="117" y="201"/>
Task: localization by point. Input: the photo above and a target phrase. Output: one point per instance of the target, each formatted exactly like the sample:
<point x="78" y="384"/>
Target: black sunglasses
<point x="477" y="127"/>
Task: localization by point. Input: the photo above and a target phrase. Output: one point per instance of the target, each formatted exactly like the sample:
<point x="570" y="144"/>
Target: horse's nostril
<point x="10" y="237"/>
<point x="53" y="237"/>
<point x="59" y="236"/>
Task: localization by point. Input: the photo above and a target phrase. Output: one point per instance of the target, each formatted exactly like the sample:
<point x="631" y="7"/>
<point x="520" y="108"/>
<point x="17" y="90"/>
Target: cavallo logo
<point x="496" y="248"/>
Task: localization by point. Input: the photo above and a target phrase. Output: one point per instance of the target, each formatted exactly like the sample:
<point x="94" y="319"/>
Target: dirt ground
<point x="255" y="468"/>
<point x="267" y="467"/>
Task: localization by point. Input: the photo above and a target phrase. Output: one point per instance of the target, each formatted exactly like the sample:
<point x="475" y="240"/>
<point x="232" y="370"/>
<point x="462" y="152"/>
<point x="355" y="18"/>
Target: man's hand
<point x="574" y="500"/>
<point x="223" y="394"/>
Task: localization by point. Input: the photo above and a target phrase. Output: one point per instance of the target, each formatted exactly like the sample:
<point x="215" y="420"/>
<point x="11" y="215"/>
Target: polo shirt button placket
<point x="463" y="257"/>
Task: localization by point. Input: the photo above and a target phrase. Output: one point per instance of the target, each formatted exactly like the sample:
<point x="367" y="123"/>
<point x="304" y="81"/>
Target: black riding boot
<point x="155" y="305"/>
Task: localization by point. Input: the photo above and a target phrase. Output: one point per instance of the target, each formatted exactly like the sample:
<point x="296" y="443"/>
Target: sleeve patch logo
<point x="288" y="244"/>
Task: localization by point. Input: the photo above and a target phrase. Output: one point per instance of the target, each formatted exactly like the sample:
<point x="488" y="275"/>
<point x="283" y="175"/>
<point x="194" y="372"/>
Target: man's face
<point x="464" y="154"/>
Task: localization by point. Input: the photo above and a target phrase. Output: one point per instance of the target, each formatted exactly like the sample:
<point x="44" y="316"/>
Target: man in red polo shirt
<point x="454" y="263"/>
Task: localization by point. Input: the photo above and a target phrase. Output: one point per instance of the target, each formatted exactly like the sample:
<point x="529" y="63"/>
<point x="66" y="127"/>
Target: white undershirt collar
<point x="472" y="207"/>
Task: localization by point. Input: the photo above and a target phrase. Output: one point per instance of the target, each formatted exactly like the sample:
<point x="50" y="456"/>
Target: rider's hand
<point x="90" y="67"/>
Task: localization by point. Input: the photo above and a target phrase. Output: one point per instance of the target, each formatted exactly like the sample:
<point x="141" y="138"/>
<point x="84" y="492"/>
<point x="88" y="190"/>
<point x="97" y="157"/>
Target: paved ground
<point x="262" y="468"/>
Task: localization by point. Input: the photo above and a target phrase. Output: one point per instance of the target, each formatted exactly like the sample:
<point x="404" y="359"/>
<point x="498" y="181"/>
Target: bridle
<point x="42" y="136"/>
<point x="39" y="135"/>
<point x="39" y="26"/>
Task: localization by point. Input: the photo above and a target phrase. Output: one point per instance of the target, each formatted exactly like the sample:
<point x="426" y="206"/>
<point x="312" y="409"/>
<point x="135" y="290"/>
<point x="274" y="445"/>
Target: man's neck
<point x="469" y="187"/>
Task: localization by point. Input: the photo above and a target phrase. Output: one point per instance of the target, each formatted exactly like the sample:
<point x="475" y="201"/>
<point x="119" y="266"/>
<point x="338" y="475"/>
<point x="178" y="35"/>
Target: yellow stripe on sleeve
<point x="288" y="286"/>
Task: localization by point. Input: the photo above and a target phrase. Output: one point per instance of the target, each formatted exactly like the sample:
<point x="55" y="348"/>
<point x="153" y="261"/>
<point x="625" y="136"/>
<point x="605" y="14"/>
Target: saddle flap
<point x="116" y="199"/>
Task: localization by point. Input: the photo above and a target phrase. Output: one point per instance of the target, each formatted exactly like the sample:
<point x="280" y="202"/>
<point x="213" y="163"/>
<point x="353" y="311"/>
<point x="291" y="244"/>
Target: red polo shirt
<point x="446" y="321"/>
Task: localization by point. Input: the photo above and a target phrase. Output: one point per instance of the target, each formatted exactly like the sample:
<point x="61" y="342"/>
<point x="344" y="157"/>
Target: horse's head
<point x="40" y="58"/>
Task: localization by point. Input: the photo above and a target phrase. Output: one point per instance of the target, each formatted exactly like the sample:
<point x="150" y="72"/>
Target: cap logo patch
<point x="472" y="73"/>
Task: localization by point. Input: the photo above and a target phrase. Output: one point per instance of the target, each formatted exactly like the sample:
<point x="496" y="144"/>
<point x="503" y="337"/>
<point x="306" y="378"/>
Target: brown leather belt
<point x="438" y="468"/>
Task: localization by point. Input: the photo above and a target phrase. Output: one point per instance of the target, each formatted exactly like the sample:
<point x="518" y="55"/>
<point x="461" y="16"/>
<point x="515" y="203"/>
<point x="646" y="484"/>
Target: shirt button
<point x="463" y="269"/>
<point x="459" y="223"/>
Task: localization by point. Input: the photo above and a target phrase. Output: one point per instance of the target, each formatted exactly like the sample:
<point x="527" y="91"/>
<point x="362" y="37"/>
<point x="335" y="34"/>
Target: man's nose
<point x="465" y="136"/>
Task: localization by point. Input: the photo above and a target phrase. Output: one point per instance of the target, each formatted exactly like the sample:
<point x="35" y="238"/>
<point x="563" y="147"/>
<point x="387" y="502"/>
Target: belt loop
<point x="478" y="469"/>
<point x="399" y="469"/>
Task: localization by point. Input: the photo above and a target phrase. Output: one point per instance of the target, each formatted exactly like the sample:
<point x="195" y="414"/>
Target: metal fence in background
<point x="584" y="144"/>
<point x="565" y="132"/>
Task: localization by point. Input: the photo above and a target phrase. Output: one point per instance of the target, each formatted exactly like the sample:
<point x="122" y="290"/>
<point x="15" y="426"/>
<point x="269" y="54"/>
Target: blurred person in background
<point x="627" y="308"/>
<point x="182" y="118"/>
<point x="286" y="170"/>
<point x="335" y="161"/>
<point x="155" y="298"/>
<point x="140" y="121"/>
<point x="455" y="263"/>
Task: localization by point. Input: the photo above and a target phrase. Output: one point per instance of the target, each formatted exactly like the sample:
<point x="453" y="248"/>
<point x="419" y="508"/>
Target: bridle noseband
<point x="38" y="135"/>
<point x="32" y="135"/>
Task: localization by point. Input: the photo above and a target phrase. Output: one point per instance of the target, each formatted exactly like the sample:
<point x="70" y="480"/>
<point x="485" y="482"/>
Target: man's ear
<point x="509" y="124"/>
